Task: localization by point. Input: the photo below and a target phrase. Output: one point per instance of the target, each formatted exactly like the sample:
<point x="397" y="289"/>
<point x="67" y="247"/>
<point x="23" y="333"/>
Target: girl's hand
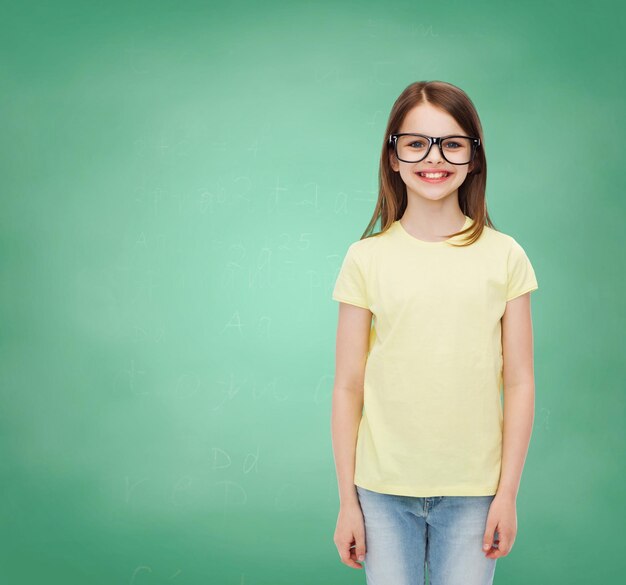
<point x="350" y="535"/>
<point x="502" y="518"/>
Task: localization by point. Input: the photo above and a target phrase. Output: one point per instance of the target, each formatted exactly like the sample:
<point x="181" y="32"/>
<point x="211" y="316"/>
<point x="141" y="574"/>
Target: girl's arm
<point x="519" y="407"/>
<point x="519" y="391"/>
<point x="352" y="344"/>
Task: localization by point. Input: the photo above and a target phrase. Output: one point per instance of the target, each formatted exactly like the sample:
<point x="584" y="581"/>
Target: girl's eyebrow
<point x="442" y="136"/>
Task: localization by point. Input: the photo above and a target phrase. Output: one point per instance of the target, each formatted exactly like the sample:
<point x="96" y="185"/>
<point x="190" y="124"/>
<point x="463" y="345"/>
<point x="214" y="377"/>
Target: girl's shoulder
<point x="499" y="239"/>
<point x="368" y="243"/>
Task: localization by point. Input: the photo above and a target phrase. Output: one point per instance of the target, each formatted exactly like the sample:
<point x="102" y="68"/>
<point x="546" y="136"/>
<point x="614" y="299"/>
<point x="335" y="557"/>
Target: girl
<point x="428" y="461"/>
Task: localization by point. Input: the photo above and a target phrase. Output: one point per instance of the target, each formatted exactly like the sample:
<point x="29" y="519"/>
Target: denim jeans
<point x="404" y="534"/>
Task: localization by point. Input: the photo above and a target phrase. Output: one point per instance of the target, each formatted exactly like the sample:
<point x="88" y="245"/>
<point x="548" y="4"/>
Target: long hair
<point x="392" y="196"/>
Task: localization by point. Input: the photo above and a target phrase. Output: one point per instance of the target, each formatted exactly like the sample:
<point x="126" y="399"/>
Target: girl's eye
<point x="452" y="144"/>
<point x="417" y="144"/>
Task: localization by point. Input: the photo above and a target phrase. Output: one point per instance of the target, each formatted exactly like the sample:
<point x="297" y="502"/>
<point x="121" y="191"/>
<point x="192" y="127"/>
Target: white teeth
<point x="434" y="175"/>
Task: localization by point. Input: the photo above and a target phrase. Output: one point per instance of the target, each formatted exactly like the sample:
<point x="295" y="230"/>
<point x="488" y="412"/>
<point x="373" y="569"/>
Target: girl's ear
<point x="393" y="161"/>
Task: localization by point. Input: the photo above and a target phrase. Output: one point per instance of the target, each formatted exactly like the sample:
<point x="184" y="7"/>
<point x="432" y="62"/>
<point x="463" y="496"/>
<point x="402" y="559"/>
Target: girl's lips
<point x="440" y="180"/>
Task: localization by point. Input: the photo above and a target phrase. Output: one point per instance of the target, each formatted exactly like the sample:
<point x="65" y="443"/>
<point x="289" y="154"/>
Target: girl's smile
<point x="434" y="175"/>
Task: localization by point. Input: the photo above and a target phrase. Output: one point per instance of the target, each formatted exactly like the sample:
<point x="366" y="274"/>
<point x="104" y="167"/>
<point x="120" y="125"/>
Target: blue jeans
<point x="403" y="534"/>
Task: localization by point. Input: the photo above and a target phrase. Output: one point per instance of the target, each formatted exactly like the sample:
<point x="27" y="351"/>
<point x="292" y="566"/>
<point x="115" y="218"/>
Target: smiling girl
<point x="434" y="329"/>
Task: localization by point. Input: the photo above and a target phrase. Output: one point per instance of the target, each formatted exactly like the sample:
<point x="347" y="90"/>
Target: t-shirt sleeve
<point x="350" y="286"/>
<point x="521" y="275"/>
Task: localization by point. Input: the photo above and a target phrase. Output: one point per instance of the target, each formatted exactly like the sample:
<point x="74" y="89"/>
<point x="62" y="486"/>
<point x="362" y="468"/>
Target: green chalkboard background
<point x="180" y="182"/>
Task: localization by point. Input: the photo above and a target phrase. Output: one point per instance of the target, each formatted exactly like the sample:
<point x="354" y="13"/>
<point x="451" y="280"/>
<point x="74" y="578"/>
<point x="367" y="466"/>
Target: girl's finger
<point x="494" y="552"/>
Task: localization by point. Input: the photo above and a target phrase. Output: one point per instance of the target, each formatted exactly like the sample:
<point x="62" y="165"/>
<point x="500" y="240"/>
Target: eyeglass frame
<point x="393" y="139"/>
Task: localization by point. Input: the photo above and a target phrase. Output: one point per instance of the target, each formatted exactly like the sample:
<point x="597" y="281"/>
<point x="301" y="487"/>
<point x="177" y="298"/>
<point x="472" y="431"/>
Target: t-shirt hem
<point x="426" y="492"/>
<point x="351" y="301"/>
<point x="522" y="292"/>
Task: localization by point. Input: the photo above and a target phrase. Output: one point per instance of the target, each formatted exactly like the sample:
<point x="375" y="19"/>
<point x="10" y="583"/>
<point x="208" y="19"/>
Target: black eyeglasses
<point x="411" y="148"/>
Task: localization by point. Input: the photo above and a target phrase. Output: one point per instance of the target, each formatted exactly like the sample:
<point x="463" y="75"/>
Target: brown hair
<point x="392" y="198"/>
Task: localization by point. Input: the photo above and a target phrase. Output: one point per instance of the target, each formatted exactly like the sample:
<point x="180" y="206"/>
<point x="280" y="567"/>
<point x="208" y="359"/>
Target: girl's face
<point x="431" y="121"/>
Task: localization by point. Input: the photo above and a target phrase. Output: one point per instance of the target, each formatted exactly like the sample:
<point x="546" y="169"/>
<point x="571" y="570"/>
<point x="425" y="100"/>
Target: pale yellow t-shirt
<point x="432" y="415"/>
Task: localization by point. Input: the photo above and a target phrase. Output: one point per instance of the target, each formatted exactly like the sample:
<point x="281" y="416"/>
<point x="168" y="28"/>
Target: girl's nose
<point x="434" y="155"/>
